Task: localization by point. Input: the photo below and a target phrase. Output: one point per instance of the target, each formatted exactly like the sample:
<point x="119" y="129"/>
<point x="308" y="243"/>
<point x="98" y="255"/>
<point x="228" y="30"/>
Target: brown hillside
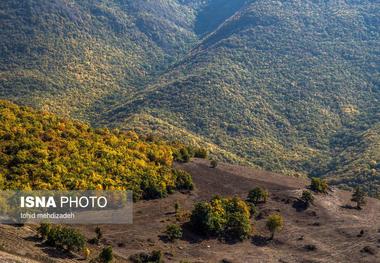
<point x="330" y="225"/>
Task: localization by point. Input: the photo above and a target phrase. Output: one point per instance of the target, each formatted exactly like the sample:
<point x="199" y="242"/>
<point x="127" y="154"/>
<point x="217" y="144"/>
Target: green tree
<point x="66" y="238"/>
<point x="358" y="196"/>
<point x="307" y="198"/>
<point x="154" y="257"/>
<point x="43" y="230"/>
<point x="214" y="163"/>
<point x="182" y="155"/>
<point x="224" y="217"/>
<point x="319" y="185"/>
<point x="182" y="180"/>
<point x="238" y="226"/>
<point x="275" y="223"/>
<point x="258" y="195"/>
<point x="72" y="239"/>
<point x="106" y="255"/>
<point x="173" y="232"/>
<point x="200" y="153"/>
<point x="205" y="219"/>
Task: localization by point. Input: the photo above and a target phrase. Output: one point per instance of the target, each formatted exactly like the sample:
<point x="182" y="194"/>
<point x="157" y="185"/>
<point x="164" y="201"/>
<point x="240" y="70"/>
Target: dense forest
<point x="39" y="150"/>
<point x="287" y="86"/>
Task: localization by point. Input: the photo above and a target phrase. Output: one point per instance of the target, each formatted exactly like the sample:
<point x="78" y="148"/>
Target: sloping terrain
<point x="39" y="150"/>
<point x="64" y="55"/>
<point x="283" y="85"/>
<point x="356" y="163"/>
<point x="275" y="83"/>
<point x="330" y="225"/>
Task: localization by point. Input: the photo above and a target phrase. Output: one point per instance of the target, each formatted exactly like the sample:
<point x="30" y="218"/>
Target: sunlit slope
<point x="39" y="150"/>
<point x="65" y="55"/>
<point x="275" y="82"/>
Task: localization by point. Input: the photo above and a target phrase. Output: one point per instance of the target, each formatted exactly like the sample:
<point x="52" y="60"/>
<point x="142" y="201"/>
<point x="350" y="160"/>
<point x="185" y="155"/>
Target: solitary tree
<point x="177" y="207"/>
<point x="319" y="185"/>
<point x="275" y="223"/>
<point x="106" y="255"/>
<point x="307" y="198"/>
<point x="358" y="197"/>
<point x="173" y="232"/>
<point x="214" y="163"/>
<point x="43" y="230"/>
<point x="99" y="233"/>
<point x="257" y="195"/>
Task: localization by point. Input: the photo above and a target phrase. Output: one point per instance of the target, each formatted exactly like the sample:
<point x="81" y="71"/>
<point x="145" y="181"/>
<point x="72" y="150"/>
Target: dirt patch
<point x="324" y="232"/>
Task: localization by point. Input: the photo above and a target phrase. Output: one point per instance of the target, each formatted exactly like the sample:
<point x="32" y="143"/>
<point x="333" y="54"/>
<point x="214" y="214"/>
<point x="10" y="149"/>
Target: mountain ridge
<point x="269" y="83"/>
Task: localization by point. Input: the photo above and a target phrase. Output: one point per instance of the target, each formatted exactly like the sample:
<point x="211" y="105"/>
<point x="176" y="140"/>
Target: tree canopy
<point x="39" y="150"/>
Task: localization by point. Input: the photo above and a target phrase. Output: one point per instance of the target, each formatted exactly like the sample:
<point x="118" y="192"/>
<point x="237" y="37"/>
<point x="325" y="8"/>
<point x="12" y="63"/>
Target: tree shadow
<point x="17" y="225"/>
<point x="56" y="253"/>
<point x="33" y="239"/>
<point x="170" y="213"/>
<point x="231" y="241"/>
<point x="190" y="235"/>
<point x="164" y="238"/>
<point x="49" y="250"/>
<point x="299" y="205"/>
<point x="260" y="241"/>
<point x="349" y="207"/>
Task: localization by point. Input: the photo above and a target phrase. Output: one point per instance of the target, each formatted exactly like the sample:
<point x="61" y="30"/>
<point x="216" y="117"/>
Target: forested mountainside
<point x="39" y="150"/>
<point x="65" y="55"/>
<point x="289" y="86"/>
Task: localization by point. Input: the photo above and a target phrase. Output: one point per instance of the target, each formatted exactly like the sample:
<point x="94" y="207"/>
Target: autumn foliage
<point x="39" y="150"/>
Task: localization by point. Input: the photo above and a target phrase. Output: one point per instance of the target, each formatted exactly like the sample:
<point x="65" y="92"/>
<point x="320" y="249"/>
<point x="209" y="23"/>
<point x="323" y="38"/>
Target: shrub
<point x="153" y="188"/>
<point x="205" y="220"/>
<point x="358" y="196"/>
<point x="274" y="224"/>
<point x="154" y="257"/>
<point x="99" y="236"/>
<point x="224" y="217"/>
<point x="86" y="253"/>
<point x="319" y="185"/>
<point x="214" y="163"/>
<point x="177" y="207"/>
<point x="43" y="230"/>
<point x="258" y="195"/>
<point x="182" y="155"/>
<point x="66" y="238"/>
<point x="99" y="233"/>
<point x="253" y="210"/>
<point x="183" y="180"/>
<point x="182" y="216"/>
<point x="200" y="153"/>
<point x="238" y="226"/>
<point x="106" y="255"/>
<point x="173" y="232"/>
<point x="307" y="198"/>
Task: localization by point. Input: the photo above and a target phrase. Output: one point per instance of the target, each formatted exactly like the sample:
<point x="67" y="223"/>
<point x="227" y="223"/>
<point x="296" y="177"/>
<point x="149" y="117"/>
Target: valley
<point x="247" y="130"/>
<point x="300" y="80"/>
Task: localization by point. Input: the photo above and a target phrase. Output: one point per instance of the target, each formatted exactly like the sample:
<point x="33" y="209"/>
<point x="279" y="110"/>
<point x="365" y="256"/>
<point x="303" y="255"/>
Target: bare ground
<point x="337" y="232"/>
